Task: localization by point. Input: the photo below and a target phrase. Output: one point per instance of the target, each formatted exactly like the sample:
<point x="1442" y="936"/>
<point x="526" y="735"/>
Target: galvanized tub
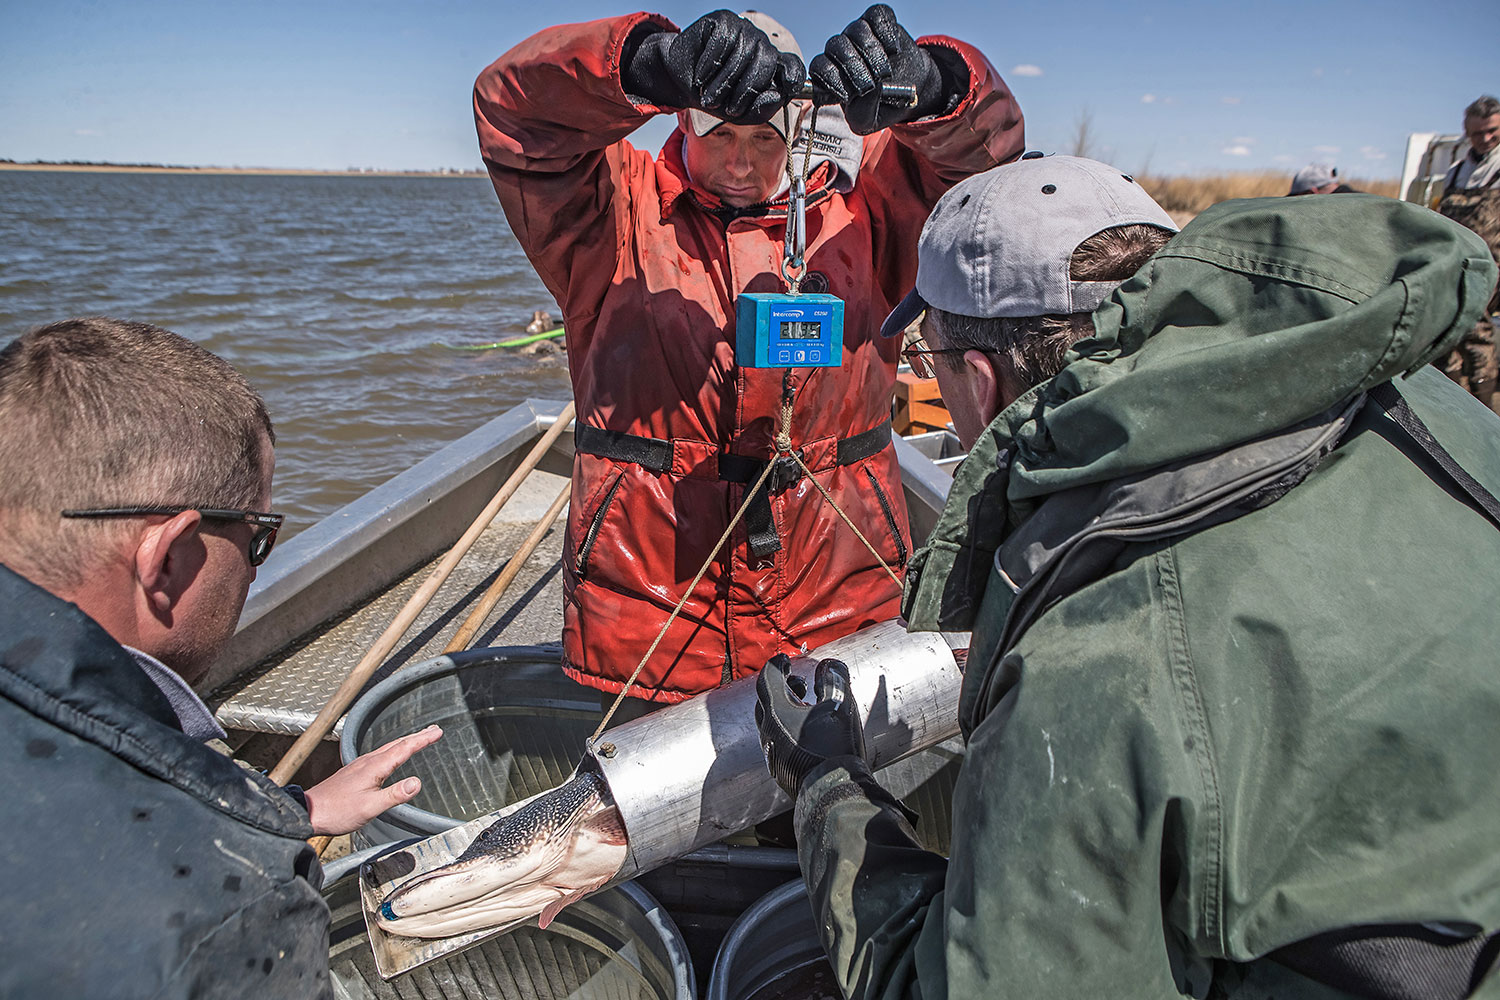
<point x="513" y="726"/>
<point x="773" y="953"/>
<point x="616" y="945"/>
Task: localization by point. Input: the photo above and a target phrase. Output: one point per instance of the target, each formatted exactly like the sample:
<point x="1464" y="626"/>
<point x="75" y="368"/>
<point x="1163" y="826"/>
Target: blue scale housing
<point x="776" y="330"/>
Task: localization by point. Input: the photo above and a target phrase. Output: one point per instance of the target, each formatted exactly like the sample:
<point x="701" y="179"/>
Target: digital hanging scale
<point x="777" y="330"/>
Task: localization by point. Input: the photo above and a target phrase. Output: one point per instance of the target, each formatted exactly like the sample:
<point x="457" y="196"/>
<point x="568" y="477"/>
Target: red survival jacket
<point x="671" y="432"/>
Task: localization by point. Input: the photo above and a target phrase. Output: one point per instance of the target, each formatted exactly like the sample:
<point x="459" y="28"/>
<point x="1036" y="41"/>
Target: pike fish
<point x="551" y="852"/>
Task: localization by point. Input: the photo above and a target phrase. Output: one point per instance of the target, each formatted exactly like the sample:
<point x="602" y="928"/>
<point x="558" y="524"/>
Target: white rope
<point x="677" y="610"/>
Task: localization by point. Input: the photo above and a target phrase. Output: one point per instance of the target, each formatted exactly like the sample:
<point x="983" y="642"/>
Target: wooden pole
<point x="360" y="675"/>
<point x="472" y="624"/>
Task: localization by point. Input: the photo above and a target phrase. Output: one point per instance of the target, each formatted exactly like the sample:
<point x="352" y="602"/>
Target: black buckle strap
<point x="760" y="525"/>
<point x="656" y="454"/>
<point x="653" y="453"/>
<point x="864" y="444"/>
<point x="745" y="470"/>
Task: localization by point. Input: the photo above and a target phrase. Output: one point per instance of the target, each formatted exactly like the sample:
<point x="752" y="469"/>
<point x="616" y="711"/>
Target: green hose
<point x="518" y="342"/>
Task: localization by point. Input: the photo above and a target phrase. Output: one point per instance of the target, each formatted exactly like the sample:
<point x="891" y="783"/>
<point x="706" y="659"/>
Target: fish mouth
<point x="454" y="885"/>
<point x="486" y="895"/>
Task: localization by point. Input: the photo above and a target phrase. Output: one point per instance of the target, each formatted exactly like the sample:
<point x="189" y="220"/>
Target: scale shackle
<point x="795" y="246"/>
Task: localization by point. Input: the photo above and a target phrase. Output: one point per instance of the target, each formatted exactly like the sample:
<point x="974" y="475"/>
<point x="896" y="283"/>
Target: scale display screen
<point x="776" y="330"/>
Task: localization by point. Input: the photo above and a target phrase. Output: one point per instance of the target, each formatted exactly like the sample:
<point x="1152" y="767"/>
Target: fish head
<point x="536" y="860"/>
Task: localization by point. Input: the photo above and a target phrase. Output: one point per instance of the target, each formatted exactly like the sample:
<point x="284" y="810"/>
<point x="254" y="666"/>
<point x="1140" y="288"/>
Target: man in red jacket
<point x="646" y="256"/>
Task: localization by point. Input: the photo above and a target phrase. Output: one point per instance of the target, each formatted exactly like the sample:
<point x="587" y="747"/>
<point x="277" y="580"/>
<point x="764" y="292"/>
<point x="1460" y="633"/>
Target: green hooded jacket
<point x="1233" y="680"/>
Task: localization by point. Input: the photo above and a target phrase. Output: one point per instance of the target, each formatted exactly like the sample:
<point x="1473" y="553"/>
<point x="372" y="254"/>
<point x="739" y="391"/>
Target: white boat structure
<point x="1425" y="166"/>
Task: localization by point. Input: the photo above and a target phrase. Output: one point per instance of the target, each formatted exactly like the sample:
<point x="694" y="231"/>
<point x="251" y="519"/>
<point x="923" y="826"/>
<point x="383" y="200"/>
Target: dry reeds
<point x="1185" y="197"/>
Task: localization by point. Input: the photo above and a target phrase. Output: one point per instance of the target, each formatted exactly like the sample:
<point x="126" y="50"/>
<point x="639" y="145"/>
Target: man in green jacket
<point x="1229" y="563"/>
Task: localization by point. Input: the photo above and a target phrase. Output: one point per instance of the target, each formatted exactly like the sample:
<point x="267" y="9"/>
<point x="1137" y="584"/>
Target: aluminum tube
<point x="693" y="773"/>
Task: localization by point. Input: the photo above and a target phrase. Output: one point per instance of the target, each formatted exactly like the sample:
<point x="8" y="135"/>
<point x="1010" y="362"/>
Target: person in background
<point x="647" y="257"/>
<point x="1318" y="178"/>
<point x="1471" y="198"/>
<point x="140" y="861"/>
<point x="1228" y="548"/>
<point x="1480" y="165"/>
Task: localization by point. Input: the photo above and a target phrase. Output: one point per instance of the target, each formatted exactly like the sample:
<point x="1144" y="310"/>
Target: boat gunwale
<point x="361" y="548"/>
<point x="366" y="546"/>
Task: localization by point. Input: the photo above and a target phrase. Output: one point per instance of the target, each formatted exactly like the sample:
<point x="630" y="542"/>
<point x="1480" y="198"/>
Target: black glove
<point x="721" y="63"/>
<point x="797" y="738"/>
<point x="872" y="51"/>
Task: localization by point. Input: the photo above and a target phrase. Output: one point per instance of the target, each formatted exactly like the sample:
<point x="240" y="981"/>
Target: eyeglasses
<point x="261" y="542"/>
<point x="917" y="352"/>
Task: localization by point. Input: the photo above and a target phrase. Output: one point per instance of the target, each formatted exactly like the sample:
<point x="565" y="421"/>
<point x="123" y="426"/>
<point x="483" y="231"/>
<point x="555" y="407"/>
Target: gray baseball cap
<point x="1314" y="175"/>
<point x="703" y="122"/>
<point x="1001" y="243"/>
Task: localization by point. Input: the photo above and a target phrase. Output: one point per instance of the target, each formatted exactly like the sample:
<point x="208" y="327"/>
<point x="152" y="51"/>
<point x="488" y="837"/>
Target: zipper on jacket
<point x="890" y="518"/>
<point x="594" y="525"/>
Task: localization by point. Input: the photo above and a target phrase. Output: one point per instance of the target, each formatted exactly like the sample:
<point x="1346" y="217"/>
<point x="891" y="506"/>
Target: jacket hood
<point x="1258" y="315"/>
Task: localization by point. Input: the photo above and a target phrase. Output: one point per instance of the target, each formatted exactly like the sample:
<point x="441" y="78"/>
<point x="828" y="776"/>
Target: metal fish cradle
<point x="693" y="773"/>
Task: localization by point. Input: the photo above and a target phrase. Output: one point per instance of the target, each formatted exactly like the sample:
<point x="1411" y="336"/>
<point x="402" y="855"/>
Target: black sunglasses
<point x="917" y="352"/>
<point x="261" y="542"/>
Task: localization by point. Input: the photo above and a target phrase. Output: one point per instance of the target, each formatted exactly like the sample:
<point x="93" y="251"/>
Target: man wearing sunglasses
<point x="1226" y="544"/>
<point x="135" y="488"/>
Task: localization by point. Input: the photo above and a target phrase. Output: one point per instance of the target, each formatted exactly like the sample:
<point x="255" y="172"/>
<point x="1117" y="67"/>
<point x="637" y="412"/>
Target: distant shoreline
<point x="125" y="168"/>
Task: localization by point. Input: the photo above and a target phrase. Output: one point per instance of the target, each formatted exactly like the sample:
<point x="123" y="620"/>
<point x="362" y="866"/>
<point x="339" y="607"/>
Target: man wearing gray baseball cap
<point x="1318" y="178"/>
<point x="1226" y="543"/>
<point x="1011" y="268"/>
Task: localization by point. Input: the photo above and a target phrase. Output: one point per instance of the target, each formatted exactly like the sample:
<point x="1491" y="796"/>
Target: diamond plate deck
<point x="284" y="693"/>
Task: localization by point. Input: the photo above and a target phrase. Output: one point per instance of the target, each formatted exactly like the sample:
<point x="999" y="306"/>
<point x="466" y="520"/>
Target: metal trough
<point x="693" y="773"/>
<point x="773" y="951"/>
<point x="616" y="945"/>
<point x="513" y="726"/>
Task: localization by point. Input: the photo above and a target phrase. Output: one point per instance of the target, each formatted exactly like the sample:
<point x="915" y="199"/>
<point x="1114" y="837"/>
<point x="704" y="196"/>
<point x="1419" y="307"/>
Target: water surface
<point x="333" y="295"/>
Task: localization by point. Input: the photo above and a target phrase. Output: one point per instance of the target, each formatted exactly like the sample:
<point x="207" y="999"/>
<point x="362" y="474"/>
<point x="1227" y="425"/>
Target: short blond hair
<point x="103" y="413"/>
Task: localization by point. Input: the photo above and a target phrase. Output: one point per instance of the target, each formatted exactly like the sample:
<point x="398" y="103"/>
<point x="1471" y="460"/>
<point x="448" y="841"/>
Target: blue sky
<point x="1173" y="86"/>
